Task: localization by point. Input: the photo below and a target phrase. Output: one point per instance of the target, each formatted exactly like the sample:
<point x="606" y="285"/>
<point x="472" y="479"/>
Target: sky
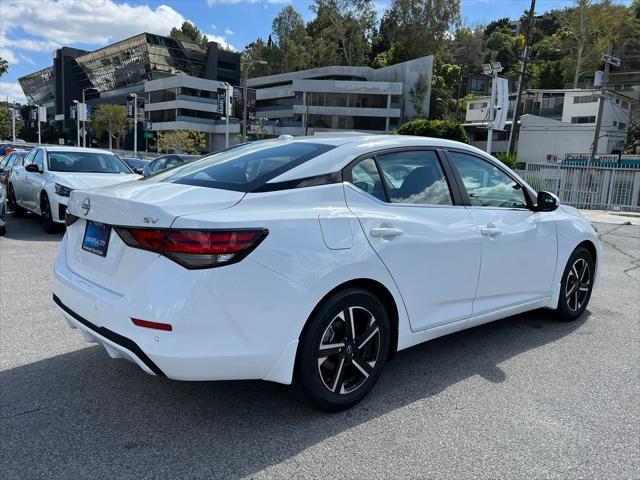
<point x="30" y="30"/>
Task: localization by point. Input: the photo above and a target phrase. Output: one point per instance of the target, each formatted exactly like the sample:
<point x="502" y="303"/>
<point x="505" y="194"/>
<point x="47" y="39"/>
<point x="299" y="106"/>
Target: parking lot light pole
<point x="77" y="103"/>
<point x="38" y="120"/>
<point x="84" y="122"/>
<point x="250" y="63"/>
<point x="135" y="123"/>
<point x="13" y="122"/>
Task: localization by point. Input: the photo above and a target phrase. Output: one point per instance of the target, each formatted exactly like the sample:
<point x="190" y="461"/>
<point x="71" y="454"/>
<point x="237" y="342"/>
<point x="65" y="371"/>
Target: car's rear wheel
<point x="343" y="350"/>
<point x="16" y="210"/>
<point x="576" y="285"/>
<point x="48" y="225"/>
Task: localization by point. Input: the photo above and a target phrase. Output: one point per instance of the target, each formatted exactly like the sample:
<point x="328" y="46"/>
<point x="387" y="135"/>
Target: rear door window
<point x="415" y="177"/>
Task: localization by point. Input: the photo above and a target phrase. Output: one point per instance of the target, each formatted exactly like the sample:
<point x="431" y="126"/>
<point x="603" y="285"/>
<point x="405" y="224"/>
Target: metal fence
<point x="585" y="186"/>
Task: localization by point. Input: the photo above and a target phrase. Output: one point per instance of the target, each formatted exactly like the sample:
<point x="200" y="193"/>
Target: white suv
<point x="49" y="174"/>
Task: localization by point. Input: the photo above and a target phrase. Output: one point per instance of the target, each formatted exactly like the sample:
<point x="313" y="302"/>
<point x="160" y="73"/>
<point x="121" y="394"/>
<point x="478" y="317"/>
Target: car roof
<point x="62" y="148"/>
<point x="351" y="146"/>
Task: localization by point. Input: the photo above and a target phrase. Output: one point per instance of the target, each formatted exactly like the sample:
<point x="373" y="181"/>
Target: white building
<point x="341" y="97"/>
<point x="555" y="122"/>
<point x="183" y="102"/>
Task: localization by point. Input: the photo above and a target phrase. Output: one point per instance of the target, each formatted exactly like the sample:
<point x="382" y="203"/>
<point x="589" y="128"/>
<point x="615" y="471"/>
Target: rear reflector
<point x="195" y="248"/>
<point x="156" y="325"/>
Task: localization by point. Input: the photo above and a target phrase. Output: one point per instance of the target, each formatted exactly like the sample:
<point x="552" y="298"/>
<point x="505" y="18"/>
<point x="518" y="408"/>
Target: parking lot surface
<point x="525" y="397"/>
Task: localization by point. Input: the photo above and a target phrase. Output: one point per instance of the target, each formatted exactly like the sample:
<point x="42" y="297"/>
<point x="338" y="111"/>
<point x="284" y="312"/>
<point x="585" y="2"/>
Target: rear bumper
<point x="226" y="324"/>
<point x="116" y="345"/>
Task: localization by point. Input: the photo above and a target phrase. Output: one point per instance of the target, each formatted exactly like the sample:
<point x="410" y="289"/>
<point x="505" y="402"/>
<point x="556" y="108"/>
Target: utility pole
<point x="250" y="63"/>
<point x="609" y="60"/>
<point x="523" y="73"/>
<point x="38" y="120"/>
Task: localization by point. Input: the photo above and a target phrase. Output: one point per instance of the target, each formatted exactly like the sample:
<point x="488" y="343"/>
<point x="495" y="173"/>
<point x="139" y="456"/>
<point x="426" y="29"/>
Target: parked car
<point x="8" y="163"/>
<point x="7" y="148"/>
<point x="50" y="174"/>
<point x="305" y="260"/>
<point x="166" y="161"/>
<point x="3" y="210"/>
<point x="136" y="164"/>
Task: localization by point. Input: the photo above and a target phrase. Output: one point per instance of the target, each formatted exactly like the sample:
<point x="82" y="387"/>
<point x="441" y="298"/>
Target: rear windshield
<point x="245" y="167"/>
<point x="86" y="162"/>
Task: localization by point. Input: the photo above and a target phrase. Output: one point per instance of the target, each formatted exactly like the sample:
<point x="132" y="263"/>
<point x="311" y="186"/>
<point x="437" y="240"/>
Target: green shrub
<point x="510" y="160"/>
<point x="421" y="127"/>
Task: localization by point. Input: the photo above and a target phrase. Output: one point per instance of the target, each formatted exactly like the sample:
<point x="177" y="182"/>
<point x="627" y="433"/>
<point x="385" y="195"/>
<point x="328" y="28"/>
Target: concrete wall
<point x="540" y="137"/>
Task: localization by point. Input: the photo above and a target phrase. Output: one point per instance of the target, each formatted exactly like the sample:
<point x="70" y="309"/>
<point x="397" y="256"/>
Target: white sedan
<point x="315" y="259"/>
<point x="49" y="174"/>
<point x="3" y="209"/>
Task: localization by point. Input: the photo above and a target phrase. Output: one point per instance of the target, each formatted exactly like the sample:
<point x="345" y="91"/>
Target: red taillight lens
<point x="195" y="248"/>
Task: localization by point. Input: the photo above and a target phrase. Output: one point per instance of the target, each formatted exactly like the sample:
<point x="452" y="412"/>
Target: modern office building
<point x="554" y="122"/>
<point x="111" y="73"/>
<point x="339" y="98"/>
<point x="183" y="102"/>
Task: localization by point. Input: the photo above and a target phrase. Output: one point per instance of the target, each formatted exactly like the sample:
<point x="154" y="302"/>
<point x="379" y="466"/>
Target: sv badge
<point x="150" y="220"/>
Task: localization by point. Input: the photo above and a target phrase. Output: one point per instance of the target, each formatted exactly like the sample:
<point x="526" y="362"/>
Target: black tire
<point x="48" y="225"/>
<point x="16" y="210"/>
<point x="576" y="285"/>
<point x="3" y="230"/>
<point x="351" y="367"/>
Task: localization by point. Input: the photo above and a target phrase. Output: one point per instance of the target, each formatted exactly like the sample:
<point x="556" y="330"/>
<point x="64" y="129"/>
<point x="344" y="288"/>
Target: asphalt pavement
<point x="522" y="398"/>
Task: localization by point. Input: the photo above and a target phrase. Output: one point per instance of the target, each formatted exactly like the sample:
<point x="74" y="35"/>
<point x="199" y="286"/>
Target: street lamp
<point x="38" y="120"/>
<point x="77" y="104"/>
<point x="84" y="122"/>
<point x="135" y="123"/>
<point x="250" y="63"/>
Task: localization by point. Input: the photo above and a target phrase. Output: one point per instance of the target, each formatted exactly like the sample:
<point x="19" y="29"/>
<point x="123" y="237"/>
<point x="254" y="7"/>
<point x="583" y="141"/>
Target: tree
<point x="4" y="66"/>
<point x="443" y="84"/>
<point x="468" y="50"/>
<point x="418" y="93"/>
<point x="347" y="25"/>
<point x="113" y="120"/>
<point x="181" y="141"/>
<point x="420" y="27"/>
<point x="188" y="32"/>
<point x="6" y="126"/>
<point x="290" y="40"/>
<point x="549" y="75"/>
<point x="434" y="128"/>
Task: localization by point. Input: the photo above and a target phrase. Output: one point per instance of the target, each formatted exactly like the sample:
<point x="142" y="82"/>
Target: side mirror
<point x="138" y="171"/>
<point x="33" y="168"/>
<point x="546" y="202"/>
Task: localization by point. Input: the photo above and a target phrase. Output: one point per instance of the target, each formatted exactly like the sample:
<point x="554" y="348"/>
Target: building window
<point x="585" y="119"/>
<point x="585" y="99"/>
<point x="625" y="105"/>
<point x="477" y="85"/>
<point x="162" y="96"/>
<point x="356" y="100"/>
<point x="552" y="104"/>
<point x="163" y="116"/>
<point x="478" y="105"/>
<point x="226" y="65"/>
<point x="622" y="126"/>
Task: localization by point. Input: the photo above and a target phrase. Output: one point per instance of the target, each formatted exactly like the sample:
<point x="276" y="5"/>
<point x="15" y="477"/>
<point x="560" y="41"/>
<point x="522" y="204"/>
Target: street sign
<point x="149" y="135"/>
<point x="611" y="60"/>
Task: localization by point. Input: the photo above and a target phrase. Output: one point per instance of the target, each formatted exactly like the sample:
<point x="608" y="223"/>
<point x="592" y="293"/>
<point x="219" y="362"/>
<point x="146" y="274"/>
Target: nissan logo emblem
<point x="86" y="206"/>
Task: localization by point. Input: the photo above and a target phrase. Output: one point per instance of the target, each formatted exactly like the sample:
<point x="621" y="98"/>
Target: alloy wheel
<point x="578" y="284"/>
<point x="349" y="350"/>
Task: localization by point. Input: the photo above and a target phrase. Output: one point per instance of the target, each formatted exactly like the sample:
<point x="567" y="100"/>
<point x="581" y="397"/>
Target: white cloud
<point x="228" y="31"/>
<point x="12" y="91"/>
<point x="9" y="56"/>
<point x="220" y="40"/>
<point x="233" y="2"/>
<point x="213" y="27"/>
<point x="97" y="22"/>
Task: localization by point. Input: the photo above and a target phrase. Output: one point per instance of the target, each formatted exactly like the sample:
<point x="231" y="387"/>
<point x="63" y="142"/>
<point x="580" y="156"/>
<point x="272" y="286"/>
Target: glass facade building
<point x="115" y="70"/>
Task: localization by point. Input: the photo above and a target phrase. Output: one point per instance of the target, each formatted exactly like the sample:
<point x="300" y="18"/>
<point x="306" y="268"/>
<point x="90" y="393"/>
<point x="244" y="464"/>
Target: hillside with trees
<point x="566" y="44"/>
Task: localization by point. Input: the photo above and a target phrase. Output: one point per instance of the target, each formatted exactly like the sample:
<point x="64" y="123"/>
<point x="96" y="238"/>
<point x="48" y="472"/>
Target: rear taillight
<point x="195" y="248"/>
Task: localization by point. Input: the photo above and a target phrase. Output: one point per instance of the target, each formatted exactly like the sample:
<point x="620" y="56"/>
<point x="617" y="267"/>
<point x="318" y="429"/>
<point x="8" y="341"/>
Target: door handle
<point x="385" y="232"/>
<point x="490" y="231"/>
